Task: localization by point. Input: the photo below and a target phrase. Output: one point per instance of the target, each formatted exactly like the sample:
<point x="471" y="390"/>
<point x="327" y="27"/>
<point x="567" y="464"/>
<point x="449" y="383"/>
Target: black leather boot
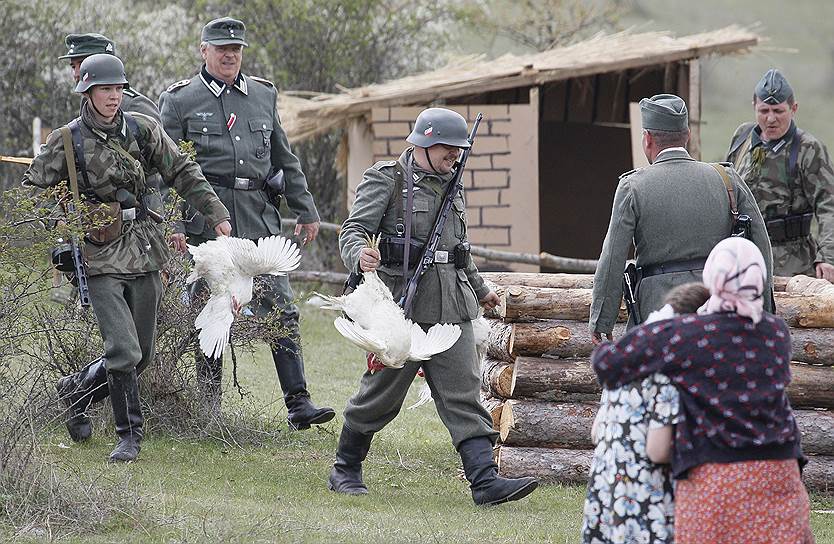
<point x="346" y="476"/>
<point x="487" y="487"/>
<point x="209" y="382"/>
<point x="127" y="413"/>
<point x="289" y="364"/>
<point x="78" y="391"/>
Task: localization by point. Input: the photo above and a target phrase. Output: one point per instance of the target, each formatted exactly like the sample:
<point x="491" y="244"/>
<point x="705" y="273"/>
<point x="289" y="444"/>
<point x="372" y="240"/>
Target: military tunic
<point x="765" y="169"/>
<point x="445" y="295"/>
<point x="125" y="288"/>
<point x="675" y="209"/>
<point x="237" y="134"/>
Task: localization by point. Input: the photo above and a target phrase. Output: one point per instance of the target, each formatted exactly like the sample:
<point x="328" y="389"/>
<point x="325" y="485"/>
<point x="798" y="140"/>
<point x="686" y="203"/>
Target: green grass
<point x="208" y="491"/>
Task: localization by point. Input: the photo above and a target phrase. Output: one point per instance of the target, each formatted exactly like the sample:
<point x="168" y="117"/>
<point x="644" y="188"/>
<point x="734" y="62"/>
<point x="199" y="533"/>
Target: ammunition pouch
<point x="789" y="227"/>
<point x="462" y="251"/>
<point x="392" y="251"/>
<point x="106" y="219"/>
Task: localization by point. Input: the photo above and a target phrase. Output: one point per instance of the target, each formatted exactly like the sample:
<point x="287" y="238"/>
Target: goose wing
<point x="214" y="323"/>
<point x="359" y="336"/>
<point x="438" y="339"/>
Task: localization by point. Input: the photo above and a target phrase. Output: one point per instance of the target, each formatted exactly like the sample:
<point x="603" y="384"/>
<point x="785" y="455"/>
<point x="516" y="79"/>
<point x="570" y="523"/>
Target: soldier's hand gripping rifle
<point x="427" y="258"/>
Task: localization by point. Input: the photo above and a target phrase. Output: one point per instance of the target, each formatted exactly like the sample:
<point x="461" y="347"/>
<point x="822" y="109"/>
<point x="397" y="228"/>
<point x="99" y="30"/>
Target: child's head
<point x="687" y="298"/>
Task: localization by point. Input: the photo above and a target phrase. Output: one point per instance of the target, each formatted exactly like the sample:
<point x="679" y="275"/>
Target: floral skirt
<point x="755" y="502"/>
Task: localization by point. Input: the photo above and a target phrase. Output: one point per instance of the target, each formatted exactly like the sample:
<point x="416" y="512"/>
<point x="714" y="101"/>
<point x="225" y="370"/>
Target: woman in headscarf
<point x="737" y="451"/>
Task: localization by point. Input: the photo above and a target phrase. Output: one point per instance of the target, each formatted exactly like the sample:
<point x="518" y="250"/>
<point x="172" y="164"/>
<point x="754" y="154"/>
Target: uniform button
<point x="228" y="91"/>
<point x="205" y="129"/>
<point x="240" y="161"/>
<point x="264" y="126"/>
<point x="237" y="138"/>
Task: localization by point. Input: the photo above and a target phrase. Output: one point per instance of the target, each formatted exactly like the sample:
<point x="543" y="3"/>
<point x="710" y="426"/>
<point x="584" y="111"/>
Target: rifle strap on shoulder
<point x="739" y="141"/>
<point x="408" y="214"/>
<point x="66" y="134"/>
<point x="728" y="184"/>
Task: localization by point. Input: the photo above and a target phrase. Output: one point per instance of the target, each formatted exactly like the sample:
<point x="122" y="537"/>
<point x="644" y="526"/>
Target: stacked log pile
<point x="543" y="394"/>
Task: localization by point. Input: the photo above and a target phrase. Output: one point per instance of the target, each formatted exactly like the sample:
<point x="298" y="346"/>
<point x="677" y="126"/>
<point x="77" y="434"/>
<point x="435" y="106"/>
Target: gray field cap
<point x="439" y="126"/>
<point x="664" y="112"/>
<point x="224" y="31"/>
<point x="773" y="88"/>
<point x="101" y="69"/>
<point x="84" y="45"/>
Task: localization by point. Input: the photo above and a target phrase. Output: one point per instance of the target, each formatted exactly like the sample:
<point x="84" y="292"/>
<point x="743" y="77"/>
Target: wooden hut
<point x="560" y="127"/>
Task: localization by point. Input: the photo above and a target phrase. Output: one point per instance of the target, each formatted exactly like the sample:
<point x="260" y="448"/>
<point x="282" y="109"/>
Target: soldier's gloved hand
<point x="368" y="259"/>
<point x="825" y="271"/>
<point x="177" y="241"/>
<point x="223" y="229"/>
<point x="311" y="231"/>
<point x="490" y="301"/>
<point x="596" y="338"/>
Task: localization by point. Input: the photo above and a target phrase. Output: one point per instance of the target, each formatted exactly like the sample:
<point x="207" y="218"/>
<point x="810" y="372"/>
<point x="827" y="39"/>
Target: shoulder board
<point x="266" y="82"/>
<point x="130" y="92"/>
<point x="384" y="164"/>
<point x="177" y="85"/>
<point x="626" y="174"/>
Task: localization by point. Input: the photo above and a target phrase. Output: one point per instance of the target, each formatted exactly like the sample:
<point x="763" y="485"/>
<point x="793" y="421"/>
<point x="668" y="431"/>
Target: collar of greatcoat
<point x="673" y="153"/>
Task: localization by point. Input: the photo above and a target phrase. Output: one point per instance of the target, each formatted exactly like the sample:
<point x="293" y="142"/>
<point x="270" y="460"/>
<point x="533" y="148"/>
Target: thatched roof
<point x="474" y="75"/>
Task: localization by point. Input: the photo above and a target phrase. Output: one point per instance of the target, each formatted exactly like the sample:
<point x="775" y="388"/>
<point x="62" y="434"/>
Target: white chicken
<point x="378" y="325"/>
<point x="229" y="265"/>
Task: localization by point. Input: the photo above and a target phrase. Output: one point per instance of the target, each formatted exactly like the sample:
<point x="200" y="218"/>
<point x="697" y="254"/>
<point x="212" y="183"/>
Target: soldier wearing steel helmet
<point x="447" y="293"/>
<point x="789" y="172"/>
<point x="112" y="152"/>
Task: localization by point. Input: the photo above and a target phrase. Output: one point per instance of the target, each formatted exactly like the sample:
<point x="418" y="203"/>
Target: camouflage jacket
<point x="778" y="192"/>
<point x="142" y="246"/>
<point x="445" y="294"/>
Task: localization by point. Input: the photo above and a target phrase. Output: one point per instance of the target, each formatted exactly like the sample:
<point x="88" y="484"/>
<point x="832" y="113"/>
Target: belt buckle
<point x="441" y="257"/>
<point x="242" y="184"/>
<point x="128" y="214"/>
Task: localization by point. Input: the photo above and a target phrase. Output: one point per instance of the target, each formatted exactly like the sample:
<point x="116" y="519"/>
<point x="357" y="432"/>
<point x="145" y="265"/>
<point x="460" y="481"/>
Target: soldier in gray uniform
<point x="110" y="151"/>
<point x="673" y="211"/>
<point x="233" y="122"/>
<point x="81" y="46"/>
<point x="449" y="292"/>
<point x="790" y="173"/>
<point x="75" y="389"/>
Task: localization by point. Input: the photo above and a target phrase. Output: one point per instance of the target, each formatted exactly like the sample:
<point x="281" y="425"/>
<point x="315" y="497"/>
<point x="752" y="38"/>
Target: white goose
<point x="378" y="325"/>
<point x="229" y="265"/>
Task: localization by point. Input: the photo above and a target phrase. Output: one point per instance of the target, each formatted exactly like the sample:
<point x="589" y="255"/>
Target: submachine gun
<point x="427" y="258"/>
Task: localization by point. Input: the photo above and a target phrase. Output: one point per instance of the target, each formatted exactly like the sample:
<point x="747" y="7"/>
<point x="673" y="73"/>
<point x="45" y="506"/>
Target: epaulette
<point x="626" y="174"/>
<point x="130" y="92"/>
<point x="266" y="82"/>
<point x="384" y="164"/>
<point x="177" y="85"/>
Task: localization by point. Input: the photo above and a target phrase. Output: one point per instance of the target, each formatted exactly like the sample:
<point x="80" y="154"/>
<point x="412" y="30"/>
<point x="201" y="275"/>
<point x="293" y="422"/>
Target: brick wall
<point x="488" y="178"/>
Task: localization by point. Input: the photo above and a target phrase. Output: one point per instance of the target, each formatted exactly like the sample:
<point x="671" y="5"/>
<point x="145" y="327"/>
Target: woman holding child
<point x="736" y="451"/>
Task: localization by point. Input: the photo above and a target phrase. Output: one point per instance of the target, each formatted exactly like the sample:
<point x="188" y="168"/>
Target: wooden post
<point x="694" y="107"/>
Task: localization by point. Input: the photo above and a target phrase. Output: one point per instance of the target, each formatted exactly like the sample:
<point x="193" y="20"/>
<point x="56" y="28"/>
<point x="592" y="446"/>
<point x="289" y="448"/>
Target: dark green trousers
<point x="455" y="382"/>
<point x="125" y="306"/>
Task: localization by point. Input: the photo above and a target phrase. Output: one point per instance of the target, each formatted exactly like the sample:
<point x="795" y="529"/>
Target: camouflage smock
<point x="778" y="193"/>
<point x="142" y="246"/>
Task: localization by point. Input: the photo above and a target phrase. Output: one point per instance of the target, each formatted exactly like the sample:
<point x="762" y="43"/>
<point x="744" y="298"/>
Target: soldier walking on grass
<point x="232" y="120"/>
<point x="105" y="154"/>
<point x="790" y="174"/>
<point x="449" y="292"/>
<point x="673" y="211"/>
<point x="89" y="385"/>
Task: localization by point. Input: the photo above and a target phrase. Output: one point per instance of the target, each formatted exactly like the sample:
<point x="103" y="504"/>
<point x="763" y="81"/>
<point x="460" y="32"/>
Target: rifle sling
<point x="729" y="185"/>
<point x="66" y="134"/>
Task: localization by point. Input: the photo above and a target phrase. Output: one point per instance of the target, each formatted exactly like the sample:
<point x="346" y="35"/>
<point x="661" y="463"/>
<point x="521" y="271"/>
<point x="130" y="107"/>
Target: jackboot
<point x="80" y="390"/>
<point x="209" y="382"/>
<point x="487" y="487"/>
<point x="127" y="413"/>
<point x="346" y="475"/>
<point x="289" y="364"/>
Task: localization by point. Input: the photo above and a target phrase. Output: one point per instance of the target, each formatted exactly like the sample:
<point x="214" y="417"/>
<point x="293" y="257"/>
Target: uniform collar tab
<point x="216" y="86"/>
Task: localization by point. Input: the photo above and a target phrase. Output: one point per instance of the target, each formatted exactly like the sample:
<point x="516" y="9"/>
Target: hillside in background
<point x="802" y="26"/>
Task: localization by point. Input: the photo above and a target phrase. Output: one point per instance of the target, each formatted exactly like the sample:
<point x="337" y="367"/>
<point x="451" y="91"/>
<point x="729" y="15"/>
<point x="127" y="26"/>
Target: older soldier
<point x="673" y="211"/>
<point x="790" y="174"/>
<point x="448" y="293"/>
<point x="232" y="120"/>
<point x="89" y="385"/>
<point x="113" y="150"/>
<point x="81" y="46"/>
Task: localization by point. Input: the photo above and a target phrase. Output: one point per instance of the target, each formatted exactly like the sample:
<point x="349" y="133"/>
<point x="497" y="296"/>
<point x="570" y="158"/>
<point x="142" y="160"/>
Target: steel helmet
<point x="439" y="126"/>
<point x="101" y="69"/>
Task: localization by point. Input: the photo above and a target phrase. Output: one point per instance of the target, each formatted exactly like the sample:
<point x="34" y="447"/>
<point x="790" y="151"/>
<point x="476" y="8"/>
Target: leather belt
<point x="689" y="265"/>
<point x="239" y="184"/>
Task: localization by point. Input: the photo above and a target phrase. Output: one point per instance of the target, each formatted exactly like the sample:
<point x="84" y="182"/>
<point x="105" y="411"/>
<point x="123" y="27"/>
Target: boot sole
<point x="323" y="418"/>
<point x="354" y="493"/>
<point x="516" y="495"/>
